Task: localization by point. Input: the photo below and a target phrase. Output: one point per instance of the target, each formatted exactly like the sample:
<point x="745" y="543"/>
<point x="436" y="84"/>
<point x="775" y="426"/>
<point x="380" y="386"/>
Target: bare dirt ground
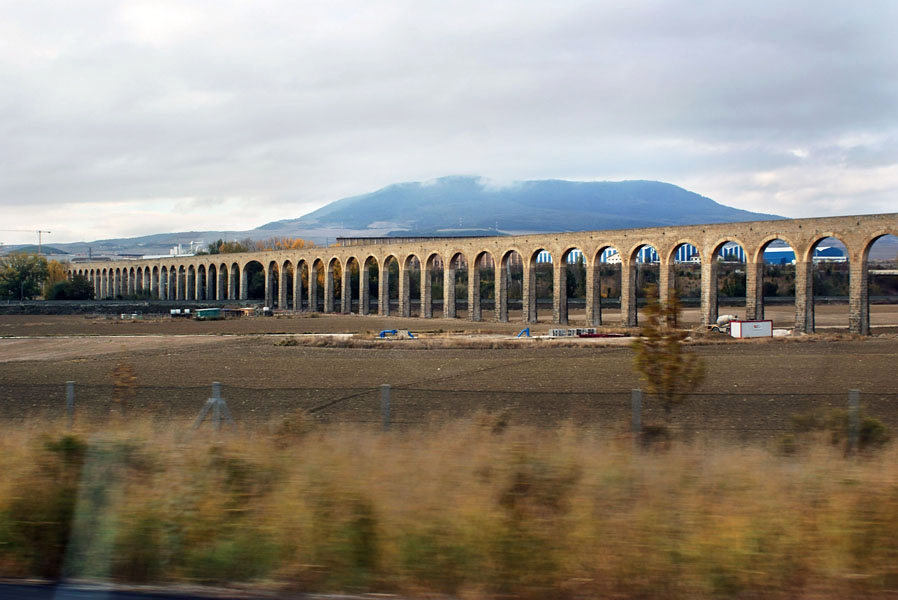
<point x="883" y="318"/>
<point x="752" y="386"/>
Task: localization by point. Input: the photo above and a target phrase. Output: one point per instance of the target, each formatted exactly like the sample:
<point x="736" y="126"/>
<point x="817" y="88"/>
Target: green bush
<point x="240" y="555"/>
<point x="141" y="550"/>
<point x="79" y="288"/>
<point x="836" y="425"/>
<point x="435" y="557"/>
<point x="872" y="433"/>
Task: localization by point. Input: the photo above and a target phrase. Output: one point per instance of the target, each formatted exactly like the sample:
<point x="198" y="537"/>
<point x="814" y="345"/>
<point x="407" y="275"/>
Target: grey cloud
<point x="294" y="104"/>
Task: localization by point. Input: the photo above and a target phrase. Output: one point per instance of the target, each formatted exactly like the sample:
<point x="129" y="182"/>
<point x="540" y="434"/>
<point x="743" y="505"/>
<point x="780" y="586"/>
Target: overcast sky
<point x="129" y="118"/>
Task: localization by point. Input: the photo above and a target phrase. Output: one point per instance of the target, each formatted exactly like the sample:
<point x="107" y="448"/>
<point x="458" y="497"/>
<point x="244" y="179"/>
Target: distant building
<point x="784" y="255"/>
<point x="829" y="254"/>
<point x="647" y="254"/>
<point x="779" y="255"/>
<point x="609" y="256"/>
<point x="190" y="250"/>
<point x="686" y="253"/>
<point x="731" y="252"/>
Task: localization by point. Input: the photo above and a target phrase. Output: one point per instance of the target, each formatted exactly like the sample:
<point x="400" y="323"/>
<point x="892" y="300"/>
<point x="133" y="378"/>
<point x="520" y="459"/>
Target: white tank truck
<point x="723" y="323"/>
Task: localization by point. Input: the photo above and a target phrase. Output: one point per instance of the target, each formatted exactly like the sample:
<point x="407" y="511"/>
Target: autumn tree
<point x="22" y="275"/>
<point x="220" y="246"/>
<point x="660" y="354"/>
<point x="320" y="275"/>
<point x="282" y="243"/>
<point x="56" y="273"/>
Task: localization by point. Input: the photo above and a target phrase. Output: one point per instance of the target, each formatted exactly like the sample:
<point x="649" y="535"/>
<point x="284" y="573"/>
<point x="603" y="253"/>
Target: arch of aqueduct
<point x="223" y="276"/>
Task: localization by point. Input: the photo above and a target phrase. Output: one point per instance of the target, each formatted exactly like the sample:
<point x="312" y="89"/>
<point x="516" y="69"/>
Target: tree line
<point x="221" y="246"/>
<point x="27" y="276"/>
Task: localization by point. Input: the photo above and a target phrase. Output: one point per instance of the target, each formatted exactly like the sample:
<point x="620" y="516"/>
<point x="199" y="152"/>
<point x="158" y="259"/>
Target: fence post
<point x="636" y="404"/>
<point x="854" y="410"/>
<point x="69" y="403"/>
<point x="218" y="406"/>
<point x="385" y="406"/>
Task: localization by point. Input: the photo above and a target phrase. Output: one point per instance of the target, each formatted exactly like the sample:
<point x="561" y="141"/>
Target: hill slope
<point x="469" y="203"/>
<point x="467" y="206"/>
<point x="33" y="249"/>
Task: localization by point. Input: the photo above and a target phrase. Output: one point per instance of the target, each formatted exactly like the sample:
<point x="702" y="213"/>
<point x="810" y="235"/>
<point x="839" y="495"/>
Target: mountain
<point x="465" y="206"/>
<point x="33" y="249"/>
<point x="449" y="204"/>
<point x="159" y="243"/>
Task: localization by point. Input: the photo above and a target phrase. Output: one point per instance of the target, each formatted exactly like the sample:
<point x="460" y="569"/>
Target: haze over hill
<point x="472" y="206"/>
<point x="44" y="249"/>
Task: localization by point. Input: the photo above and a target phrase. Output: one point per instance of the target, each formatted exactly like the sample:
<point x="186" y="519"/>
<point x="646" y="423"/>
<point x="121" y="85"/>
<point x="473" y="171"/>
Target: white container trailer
<point x="574" y="332"/>
<point x="749" y="329"/>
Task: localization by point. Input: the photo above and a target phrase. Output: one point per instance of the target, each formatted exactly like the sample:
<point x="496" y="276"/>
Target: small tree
<point x="660" y="356"/>
<point x="56" y="272"/>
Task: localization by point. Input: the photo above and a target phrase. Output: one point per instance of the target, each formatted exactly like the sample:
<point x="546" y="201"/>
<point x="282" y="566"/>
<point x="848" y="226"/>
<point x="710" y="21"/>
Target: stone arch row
<point x="203" y="278"/>
<point x="165" y="282"/>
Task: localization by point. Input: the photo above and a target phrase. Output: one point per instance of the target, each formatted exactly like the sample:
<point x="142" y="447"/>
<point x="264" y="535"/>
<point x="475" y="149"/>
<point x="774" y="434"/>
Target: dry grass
<point x="473" y="509"/>
<point x="701" y="337"/>
<point x="433" y="341"/>
<point x="469" y="340"/>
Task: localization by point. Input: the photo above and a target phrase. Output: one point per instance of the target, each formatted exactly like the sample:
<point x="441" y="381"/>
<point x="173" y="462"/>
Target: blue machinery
<point x="384" y="333"/>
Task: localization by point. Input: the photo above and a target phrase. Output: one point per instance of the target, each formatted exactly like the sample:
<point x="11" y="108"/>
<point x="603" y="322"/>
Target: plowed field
<point x="752" y="387"/>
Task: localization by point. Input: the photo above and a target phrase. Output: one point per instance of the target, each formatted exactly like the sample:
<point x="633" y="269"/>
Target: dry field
<point x="884" y="318"/>
<point x="451" y="512"/>
<point x="752" y="388"/>
<point x="304" y="499"/>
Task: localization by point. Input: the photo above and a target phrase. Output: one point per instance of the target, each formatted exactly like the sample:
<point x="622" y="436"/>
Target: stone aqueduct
<point x="224" y="276"/>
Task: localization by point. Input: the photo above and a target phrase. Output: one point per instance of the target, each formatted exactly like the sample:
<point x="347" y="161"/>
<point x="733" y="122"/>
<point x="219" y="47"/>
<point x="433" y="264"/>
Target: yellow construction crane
<point x="39" y="233"/>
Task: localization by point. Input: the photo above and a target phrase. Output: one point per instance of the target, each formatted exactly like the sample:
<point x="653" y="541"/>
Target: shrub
<point x="660" y="357"/>
<point x="240" y="555"/>
<point x="79" y="288"/>
<point x="872" y="433"/>
<point x="454" y="510"/>
<point x="836" y="425"/>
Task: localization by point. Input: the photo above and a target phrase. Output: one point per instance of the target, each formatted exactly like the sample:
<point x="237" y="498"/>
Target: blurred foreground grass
<point x="459" y="510"/>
